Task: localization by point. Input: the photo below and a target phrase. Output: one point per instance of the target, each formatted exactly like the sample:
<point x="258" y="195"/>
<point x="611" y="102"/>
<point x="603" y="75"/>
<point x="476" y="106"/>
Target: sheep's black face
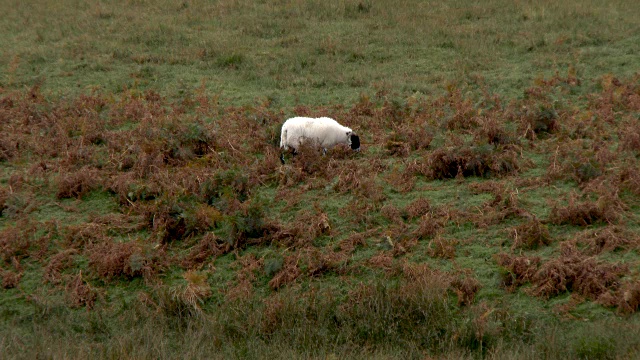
<point x="355" y="142"/>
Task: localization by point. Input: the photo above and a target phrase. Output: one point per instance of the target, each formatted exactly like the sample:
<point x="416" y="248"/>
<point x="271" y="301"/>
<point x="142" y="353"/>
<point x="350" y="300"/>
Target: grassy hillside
<point x="311" y="52"/>
<point x="492" y="211"/>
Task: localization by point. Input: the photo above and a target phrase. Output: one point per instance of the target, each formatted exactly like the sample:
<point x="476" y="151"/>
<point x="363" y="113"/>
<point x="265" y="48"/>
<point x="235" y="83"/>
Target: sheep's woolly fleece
<point x="326" y="131"/>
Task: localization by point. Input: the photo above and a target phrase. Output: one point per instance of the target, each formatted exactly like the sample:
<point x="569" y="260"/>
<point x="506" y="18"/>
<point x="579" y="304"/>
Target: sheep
<point x="326" y="131"/>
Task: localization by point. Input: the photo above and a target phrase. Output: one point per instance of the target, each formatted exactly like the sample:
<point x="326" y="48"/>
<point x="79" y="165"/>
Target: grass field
<point x="311" y="52"/>
<point x="493" y="211"/>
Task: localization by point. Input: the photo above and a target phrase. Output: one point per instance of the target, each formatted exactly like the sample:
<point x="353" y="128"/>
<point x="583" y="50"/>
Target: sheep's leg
<point x="292" y="151"/>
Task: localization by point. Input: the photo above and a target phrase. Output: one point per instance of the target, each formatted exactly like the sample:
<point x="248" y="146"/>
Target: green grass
<point x="318" y="52"/>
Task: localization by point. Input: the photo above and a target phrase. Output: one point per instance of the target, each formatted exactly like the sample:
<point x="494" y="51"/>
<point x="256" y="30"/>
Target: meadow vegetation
<point x="492" y="211"/>
<point x="312" y="52"/>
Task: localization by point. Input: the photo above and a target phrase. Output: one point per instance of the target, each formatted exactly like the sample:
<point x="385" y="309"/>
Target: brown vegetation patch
<point x="629" y="177"/>
<point x="419" y="167"/>
<point x="118" y="224"/>
<point x="407" y="138"/>
<point x="503" y="206"/>
<point x="460" y="114"/>
<point x="129" y="190"/>
<point x="493" y="187"/>
<point x="462" y="283"/>
<point x="382" y="260"/>
<point x="536" y="120"/>
<point x="350" y="243"/>
<point x="310" y="159"/>
<point x="518" y="270"/>
<point x="432" y="223"/>
<point x="169" y="220"/>
<point x="321" y="261"/>
<point x="491" y="131"/>
<point x="360" y="182"/>
<point x="629" y="135"/>
<point x="4" y="195"/>
<point x="465" y="287"/>
<point x="418" y="208"/>
<point x="83" y="234"/>
<point x="413" y="271"/>
<point x="57" y="263"/>
<point x="361" y="211"/>
<point x="480" y="161"/>
<point x="289" y="177"/>
<point x="626" y="298"/>
<point x="308" y="225"/>
<point x="79" y="293"/>
<point x="15" y="241"/>
<point x="401" y="181"/>
<point x="440" y="247"/>
<point x="573" y="271"/>
<point x="610" y="238"/>
<point x="530" y="235"/>
<point x="8" y="148"/>
<point x="288" y="274"/>
<point x="245" y="277"/>
<point x="10" y="279"/>
<point x="404" y="243"/>
<point x="110" y="260"/>
<point x="196" y="291"/>
<point x="265" y="169"/>
<point x="583" y="213"/>
<point x="77" y="184"/>
<point x="207" y="248"/>
<point x="391" y="212"/>
<point x="580" y="160"/>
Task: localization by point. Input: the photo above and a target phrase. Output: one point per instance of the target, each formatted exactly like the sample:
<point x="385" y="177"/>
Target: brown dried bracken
<point x="76" y="185"/>
<point x="288" y="274"/>
<point x="59" y="262"/>
<point x="466" y="288"/>
<point x="419" y="207"/>
<point x="10" y="279"/>
<point x="519" y="270"/>
<point x="530" y="235"/>
<point x="111" y="260"/>
<point x="442" y="248"/>
<point x="570" y="272"/>
<point x="79" y="293"/>
<point x="610" y="238"/>
<point x="585" y="276"/>
<point x="583" y="213"/>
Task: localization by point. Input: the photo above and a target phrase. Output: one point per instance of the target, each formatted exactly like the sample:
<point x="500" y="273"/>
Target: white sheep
<point x="325" y="131"/>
